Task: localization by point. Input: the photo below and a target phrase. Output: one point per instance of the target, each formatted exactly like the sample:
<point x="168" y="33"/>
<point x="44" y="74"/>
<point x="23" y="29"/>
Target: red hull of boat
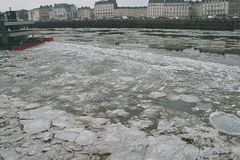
<point x="26" y="46"/>
<point x="31" y="44"/>
<point x="48" y="39"/>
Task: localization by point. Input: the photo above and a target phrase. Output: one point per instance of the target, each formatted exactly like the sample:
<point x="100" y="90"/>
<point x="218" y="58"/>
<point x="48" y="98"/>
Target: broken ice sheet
<point x="189" y="98"/>
<point x="86" y="80"/>
<point x="157" y="95"/>
<point x="141" y="123"/>
<point x="122" y="143"/>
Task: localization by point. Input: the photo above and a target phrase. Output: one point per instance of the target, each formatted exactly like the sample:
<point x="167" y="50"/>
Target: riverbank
<point x="193" y="24"/>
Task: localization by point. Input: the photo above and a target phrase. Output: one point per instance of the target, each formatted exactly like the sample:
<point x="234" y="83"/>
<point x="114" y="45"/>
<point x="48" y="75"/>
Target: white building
<point x="58" y="14"/>
<point x="63" y="11"/>
<point x="234" y="8"/>
<point x="44" y="12"/>
<point x="85" y="13"/>
<point x="196" y="10"/>
<point x="34" y="14"/>
<point x="169" y="9"/>
<point x="104" y="9"/>
<point x="136" y="12"/>
<point x="215" y="8"/>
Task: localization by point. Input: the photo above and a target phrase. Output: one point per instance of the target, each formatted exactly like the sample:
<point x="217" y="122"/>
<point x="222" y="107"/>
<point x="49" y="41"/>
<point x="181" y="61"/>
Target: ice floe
<point x="185" y="98"/>
<point x="118" y="113"/>
<point x="226" y="123"/>
<point x="96" y="137"/>
<point x="86" y="137"/>
<point x="68" y="105"/>
<point x="157" y="95"/>
<point x="189" y="98"/>
<point x="122" y="143"/>
<point x="141" y="123"/>
<point x="35" y="126"/>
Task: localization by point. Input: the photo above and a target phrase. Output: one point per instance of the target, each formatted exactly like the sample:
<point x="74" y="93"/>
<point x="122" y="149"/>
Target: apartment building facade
<point x="104" y="9"/>
<point x="34" y="14"/>
<point x="63" y="11"/>
<point x="85" y="13"/>
<point x="169" y="9"/>
<point x="58" y="13"/>
<point x="44" y="12"/>
<point x="135" y="12"/>
<point x="234" y="8"/>
<point x="215" y="8"/>
<point x="196" y="10"/>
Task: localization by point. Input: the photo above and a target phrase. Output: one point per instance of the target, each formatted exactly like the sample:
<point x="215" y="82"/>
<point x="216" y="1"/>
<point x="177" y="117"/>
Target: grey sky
<point x="29" y="4"/>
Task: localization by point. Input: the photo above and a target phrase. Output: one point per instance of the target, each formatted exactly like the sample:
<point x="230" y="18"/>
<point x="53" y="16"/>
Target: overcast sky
<point x="29" y="4"/>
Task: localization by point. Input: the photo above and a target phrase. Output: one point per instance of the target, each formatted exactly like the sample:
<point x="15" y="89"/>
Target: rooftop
<point x="167" y="1"/>
<point x="131" y="7"/>
<point x="84" y="8"/>
<point x="106" y="2"/>
<point x="63" y="5"/>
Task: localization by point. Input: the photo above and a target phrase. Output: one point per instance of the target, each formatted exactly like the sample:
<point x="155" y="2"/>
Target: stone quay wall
<point x="211" y="24"/>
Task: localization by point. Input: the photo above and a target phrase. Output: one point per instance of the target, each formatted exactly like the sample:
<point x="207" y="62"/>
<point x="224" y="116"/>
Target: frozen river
<point x="141" y="94"/>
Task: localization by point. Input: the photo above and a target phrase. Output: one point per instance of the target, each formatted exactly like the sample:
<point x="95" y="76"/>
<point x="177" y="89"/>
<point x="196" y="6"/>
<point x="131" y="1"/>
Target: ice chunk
<point x="66" y="135"/>
<point x="164" y="125"/>
<point x="35" y="126"/>
<point x="173" y="97"/>
<point x="35" y="113"/>
<point x="141" y="124"/>
<point x="31" y="106"/>
<point x="157" y="95"/>
<point x="150" y="113"/>
<point x="189" y="98"/>
<point x="118" y="112"/>
<point x="226" y="123"/>
<point x="16" y="90"/>
<point x="169" y="148"/>
<point x="238" y="113"/>
<point x="2" y="113"/>
<point x="9" y="154"/>
<point x="86" y="137"/>
<point x="77" y="130"/>
<point x="47" y="136"/>
<point x="63" y="122"/>
<point x="180" y="90"/>
<point x="236" y="149"/>
<point x="94" y="122"/>
<point x="188" y="147"/>
<point x="177" y="122"/>
<point x="205" y="107"/>
<point x="185" y="98"/>
<point x="122" y="143"/>
<point x="35" y="149"/>
<point x="41" y="113"/>
<point x="126" y="79"/>
<point x="78" y="135"/>
<point x="65" y="98"/>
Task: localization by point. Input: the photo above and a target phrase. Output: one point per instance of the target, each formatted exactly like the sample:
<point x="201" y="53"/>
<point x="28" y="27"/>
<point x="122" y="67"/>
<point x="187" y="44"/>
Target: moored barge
<point x="16" y="35"/>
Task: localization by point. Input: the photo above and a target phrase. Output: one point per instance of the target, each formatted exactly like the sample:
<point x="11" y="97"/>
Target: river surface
<point x="136" y="77"/>
<point x="90" y="71"/>
<point x="215" y="46"/>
